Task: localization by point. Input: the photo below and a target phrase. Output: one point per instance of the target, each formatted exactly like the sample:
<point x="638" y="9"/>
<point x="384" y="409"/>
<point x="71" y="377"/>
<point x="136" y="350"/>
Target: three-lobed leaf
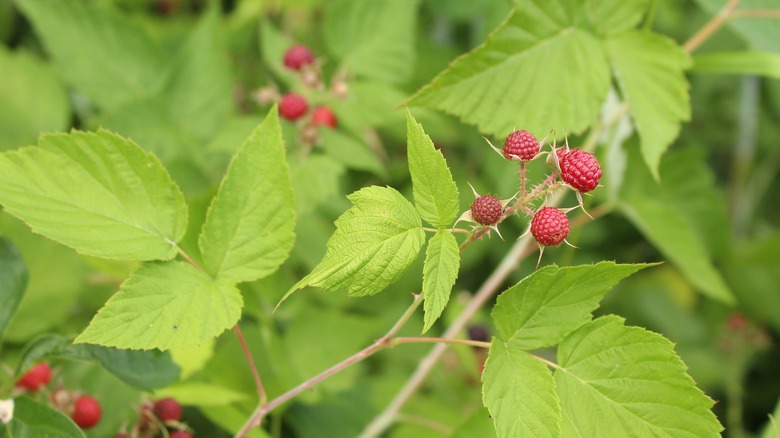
<point x="442" y="262"/>
<point x="98" y="193"/>
<point x="164" y="305"/>
<point x="13" y="281"/>
<point x="250" y="225"/>
<point x="628" y="381"/>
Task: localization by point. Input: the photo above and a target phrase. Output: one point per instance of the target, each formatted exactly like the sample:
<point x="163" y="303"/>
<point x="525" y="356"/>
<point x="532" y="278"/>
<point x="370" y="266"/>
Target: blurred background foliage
<point x="185" y="79"/>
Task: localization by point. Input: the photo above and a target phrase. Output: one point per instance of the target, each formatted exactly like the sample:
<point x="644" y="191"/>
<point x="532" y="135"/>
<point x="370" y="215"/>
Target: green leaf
<point x="740" y="63"/>
<point x="375" y="241"/>
<point x="13" y="281"/>
<point x="435" y="193"/>
<point x="615" y="16"/>
<point x="507" y="82"/>
<point x="164" y="305"/>
<point x="547" y="305"/>
<point x="374" y="39"/>
<point x="628" y="381"/>
<point x="201" y="394"/>
<point x="35" y="419"/>
<point x="478" y="425"/>
<point x="102" y="53"/>
<point x="98" y="193"/>
<point x="350" y="152"/>
<point x="249" y="228"/>
<point x="519" y="392"/>
<point x="442" y="262"/>
<point x="315" y="180"/>
<point x="32" y="99"/>
<point x="650" y="70"/>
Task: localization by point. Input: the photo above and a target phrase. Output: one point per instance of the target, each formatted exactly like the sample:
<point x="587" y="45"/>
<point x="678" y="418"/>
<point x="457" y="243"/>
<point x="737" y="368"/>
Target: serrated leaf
<point x="615" y="16"/>
<point x="650" y="70"/>
<point x="547" y="305"/>
<point x="630" y="382"/>
<point x="98" y="193"/>
<point x="519" y="392"/>
<point x="164" y="305"/>
<point x="442" y="262"/>
<point x="250" y="226"/>
<point x="374" y="39"/>
<point x="101" y="53"/>
<point x="507" y="82"/>
<point x="435" y="193"/>
<point x="35" y="419"/>
<point x="375" y="241"/>
<point x="13" y="281"/>
<point x="739" y="63"/>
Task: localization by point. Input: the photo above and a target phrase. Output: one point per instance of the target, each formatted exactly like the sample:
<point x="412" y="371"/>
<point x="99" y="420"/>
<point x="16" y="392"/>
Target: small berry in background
<point x="86" y="412"/>
<point x="293" y="106"/>
<point x="297" y="57"/>
<point x="167" y="409"/>
<point x="580" y="170"/>
<point x="323" y="116"/>
<point x="479" y="332"/>
<point x="521" y="145"/>
<point x="36" y="378"/>
<point x="486" y="210"/>
<point x="550" y="226"/>
<point x="180" y="434"/>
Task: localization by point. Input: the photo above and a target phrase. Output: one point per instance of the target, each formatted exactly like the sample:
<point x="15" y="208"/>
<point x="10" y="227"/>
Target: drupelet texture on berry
<point x="521" y="145"/>
<point x="38" y="377"/>
<point x="86" y="412"/>
<point x="486" y="210"/>
<point x="580" y="170"/>
<point x="550" y="226"/>
<point x="293" y="106"/>
<point x="167" y="409"/>
<point x="297" y="57"/>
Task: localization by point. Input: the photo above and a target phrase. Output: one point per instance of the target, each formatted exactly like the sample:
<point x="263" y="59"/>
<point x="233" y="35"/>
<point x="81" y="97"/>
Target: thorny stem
<point x="522" y="180"/>
<point x="713" y="25"/>
<point x="255" y="374"/>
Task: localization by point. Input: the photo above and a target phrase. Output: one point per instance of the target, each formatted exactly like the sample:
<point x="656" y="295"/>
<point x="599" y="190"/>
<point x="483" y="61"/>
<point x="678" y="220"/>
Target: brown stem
<point x="189" y="259"/>
<point x="713" y="25"/>
<point x="756" y="13"/>
<point x="412" y="340"/>
<point x="255" y="374"/>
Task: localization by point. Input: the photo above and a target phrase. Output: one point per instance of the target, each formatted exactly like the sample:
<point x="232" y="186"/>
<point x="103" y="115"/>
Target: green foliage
<point x="756" y="63"/>
<point x="33" y="418"/>
<point x="13" y="281"/>
<point x="442" y="262"/>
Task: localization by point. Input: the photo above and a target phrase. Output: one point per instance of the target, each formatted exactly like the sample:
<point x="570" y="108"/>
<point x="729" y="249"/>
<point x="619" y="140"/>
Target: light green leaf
<point x="98" y="193"/>
<point x="375" y="241"/>
<point x="547" y="305"/>
<point x="507" y="81"/>
<point x="478" y="425"/>
<point x="435" y="193"/>
<point x="32" y="99"/>
<point x="615" y="16"/>
<point x="315" y="180"/>
<point x="650" y="70"/>
<point x="13" y="281"/>
<point x="164" y="305"/>
<point x="739" y="63"/>
<point x="35" y="419"/>
<point x="102" y="53"/>
<point x="519" y="392"/>
<point x="374" y="39"/>
<point x="442" y="262"/>
<point x="350" y="151"/>
<point x="249" y="228"/>
<point x="201" y="394"/>
<point x="630" y="382"/>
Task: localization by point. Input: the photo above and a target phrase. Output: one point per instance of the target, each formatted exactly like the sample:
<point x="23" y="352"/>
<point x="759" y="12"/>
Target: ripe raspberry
<point x="180" y="434"/>
<point x="581" y="170"/>
<point x="293" y="106"/>
<point x="521" y="145"/>
<point x="323" y="116"/>
<point x="86" y="412"/>
<point x="167" y="409"/>
<point x="550" y="226"/>
<point x="38" y="377"/>
<point x="486" y="210"/>
<point x="297" y="57"/>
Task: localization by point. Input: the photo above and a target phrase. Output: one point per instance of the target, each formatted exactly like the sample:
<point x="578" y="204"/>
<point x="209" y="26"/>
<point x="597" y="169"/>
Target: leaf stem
<point x="258" y="382"/>
<point x="711" y="27"/>
<point x="451" y="230"/>
<point x="413" y="340"/>
<point x="189" y="259"/>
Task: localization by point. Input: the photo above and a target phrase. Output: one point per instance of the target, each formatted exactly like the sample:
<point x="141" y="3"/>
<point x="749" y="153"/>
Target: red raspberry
<point x="167" y="409"/>
<point x="293" y="106"/>
<point x="486" y="210"/>
<point x="86" y="412"/>
<point x="180" y="434"/>
<point x="323" y="116"/>
<point x="297" y="57"/>
<point x="736" y="322"/>
<point x="550" y="226"/>
<point x="38" y="377"/>
<point x="561" y="152"/>
<point x="581" y="170"/>
<point x="521" y="145"/>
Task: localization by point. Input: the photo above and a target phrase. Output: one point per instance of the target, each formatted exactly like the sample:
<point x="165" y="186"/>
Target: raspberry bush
<point x="188" y="189"/>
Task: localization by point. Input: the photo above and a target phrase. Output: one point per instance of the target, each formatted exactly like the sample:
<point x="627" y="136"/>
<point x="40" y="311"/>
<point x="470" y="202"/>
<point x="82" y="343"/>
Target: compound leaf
<point x="442" y="262"/>
<point x="250" y="226"/>
<point x="98" y="193"/>
<point x="164" y="305"/>
<point x="630" y="382"/>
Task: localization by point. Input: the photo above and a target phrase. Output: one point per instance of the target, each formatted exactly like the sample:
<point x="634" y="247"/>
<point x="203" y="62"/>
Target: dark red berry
<point x="293" y="106"/>
<point x="561" y="152"/>
<point x="486" y="210"/>
<point x="297" y="57"/>
<point x="581" y="170"/>
<point x="36" y="378"/>
<point x="479" y="333"/>
<point x="521" y="145"/>
<point x="323" y="116"/>
<point x="180" y="434"/>
<point x="86" y="412"/>
<point x="167" y="409"/>
<point x="550" y="226"/>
